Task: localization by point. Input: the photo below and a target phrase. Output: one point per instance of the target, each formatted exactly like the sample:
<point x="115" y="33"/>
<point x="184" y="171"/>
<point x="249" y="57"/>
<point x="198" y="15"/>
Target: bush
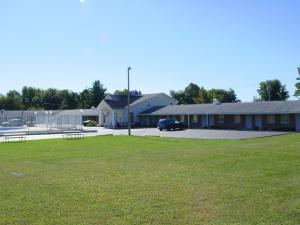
<point x="92" y="123"/>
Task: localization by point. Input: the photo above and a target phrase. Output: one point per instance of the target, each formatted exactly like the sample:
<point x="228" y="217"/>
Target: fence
<point x="39" y="121"/>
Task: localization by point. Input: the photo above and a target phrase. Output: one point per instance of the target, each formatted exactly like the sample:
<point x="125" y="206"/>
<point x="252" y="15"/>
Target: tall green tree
<point x="70" y="100"/>
<point x="2" y="102"/>
<point x="85" y="98"/>
<point x="272" y="90"/>
<point x="31" y="98"/>
<point x="178" y="95"/>
<point x="202" y="97"/>
<point x="52" y="99"/>
<point x="188" y="95"/>
<point x="98" y="93"/>
<point x="222" y="95"/>
<point x="13" y="101"/>
<point x="191" y="93"/>
<point x="297" y="92"/>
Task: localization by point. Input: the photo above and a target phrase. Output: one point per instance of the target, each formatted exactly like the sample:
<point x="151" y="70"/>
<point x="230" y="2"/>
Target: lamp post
<point x="128" y="103"/>
<point x="46" y="119"/>
<point x="2" y="115"/>
<point x="35" y="113"/>
<point x="50" y="113"/>
<point x="81" y="120"/>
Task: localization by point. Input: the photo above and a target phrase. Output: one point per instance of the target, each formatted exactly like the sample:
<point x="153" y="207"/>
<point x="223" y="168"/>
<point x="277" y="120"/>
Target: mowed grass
<point x="135" y="180"/>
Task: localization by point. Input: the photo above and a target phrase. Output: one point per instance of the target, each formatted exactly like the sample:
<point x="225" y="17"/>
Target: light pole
<point x="50" y="113"/>
<point x="2" y="114"/>
<point x="81" y="120"/>
<point x="35" y="113"/>
<point x="269" y="90"/>
<point x="46" y="119"/>
<point x="128" y="103"/>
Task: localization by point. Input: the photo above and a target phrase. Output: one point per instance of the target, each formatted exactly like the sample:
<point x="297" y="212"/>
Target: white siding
<point x="159" y="100"/>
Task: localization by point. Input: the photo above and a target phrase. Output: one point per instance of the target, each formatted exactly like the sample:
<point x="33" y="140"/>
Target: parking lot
<point x="195" y="133"/>
<point x="203" y="134"/>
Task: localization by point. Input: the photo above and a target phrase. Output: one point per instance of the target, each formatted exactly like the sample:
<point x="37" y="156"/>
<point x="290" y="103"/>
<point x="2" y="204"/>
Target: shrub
<point x="92" y="123"/>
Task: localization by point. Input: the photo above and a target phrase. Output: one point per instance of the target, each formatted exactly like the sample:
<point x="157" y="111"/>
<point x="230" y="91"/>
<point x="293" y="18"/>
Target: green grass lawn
<point x="135" y="180"/>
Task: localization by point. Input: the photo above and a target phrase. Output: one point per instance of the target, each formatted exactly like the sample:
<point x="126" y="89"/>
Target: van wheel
<point x="160" y="129"/>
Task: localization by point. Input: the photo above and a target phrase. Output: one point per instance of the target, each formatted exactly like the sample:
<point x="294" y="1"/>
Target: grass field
<point x="135" y="180"/>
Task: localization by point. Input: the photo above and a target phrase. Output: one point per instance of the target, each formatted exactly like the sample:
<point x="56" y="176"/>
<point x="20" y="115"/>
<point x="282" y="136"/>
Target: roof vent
<point x="216" y="102"/>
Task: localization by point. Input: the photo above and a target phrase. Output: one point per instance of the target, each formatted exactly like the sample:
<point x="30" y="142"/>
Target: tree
<point x="2" y="102"/>
<point x="37" y="101"/>
<point x="70" y="99"/>
<point x="178" y="95"/>
<point x="32" y="98"/>
<point x="13" y="101"/>
<point x="272" y="90"/>
<point x="297" y="92"/>
<point x="222" y="95"/>
<point x="202" y="97"/>
<point x="188" y="95"/>
<point x="52" y="99"/>
<point x="85" y="99"/>
<point x="98" y="93"/>
<point x="191" y="93"/>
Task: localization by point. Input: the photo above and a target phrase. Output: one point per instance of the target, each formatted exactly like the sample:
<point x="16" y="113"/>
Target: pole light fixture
<point x="128" y="102"/>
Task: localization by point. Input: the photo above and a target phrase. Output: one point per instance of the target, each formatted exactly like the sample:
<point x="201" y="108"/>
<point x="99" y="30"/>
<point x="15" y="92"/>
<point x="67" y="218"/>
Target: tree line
<point x="269" y="90"/>
<point x="31" y="98"/>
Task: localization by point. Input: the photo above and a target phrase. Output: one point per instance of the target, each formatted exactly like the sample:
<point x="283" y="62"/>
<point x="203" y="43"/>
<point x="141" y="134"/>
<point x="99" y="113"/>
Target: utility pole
<point x="128" y="103"/>
<point x="269" y="84"/>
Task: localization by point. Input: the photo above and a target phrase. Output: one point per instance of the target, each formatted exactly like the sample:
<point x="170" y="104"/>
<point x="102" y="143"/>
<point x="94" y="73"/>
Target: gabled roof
<point x="119" y="101"/>
<point x="273" y="107"/>
<point x="151" y="110"/>
<point x="145" y="97"/>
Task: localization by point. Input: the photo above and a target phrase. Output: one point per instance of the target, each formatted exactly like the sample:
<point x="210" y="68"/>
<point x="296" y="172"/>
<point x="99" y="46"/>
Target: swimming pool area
<point x="8" y="128"/>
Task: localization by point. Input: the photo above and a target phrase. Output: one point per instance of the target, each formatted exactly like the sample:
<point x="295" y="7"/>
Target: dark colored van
<point x="169" y="124"/>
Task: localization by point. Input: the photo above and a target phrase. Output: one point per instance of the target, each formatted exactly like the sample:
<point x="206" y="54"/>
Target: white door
<point x="258" y="122"/>
<point x="249" y="122"/>
<point x="298" y="122"/>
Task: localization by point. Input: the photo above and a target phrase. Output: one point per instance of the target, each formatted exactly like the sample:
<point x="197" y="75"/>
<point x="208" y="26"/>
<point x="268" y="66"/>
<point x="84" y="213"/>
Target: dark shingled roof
<point x="119" y="101"/>
<point x="151" y="110"/>
<point x="273" y="107"/>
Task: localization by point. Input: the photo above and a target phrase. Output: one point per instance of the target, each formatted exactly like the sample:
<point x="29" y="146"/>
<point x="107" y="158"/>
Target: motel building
<point x="274" y="115"/>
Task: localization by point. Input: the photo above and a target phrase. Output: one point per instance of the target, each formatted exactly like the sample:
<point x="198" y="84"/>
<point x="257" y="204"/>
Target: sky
<point x="67" y="44"/>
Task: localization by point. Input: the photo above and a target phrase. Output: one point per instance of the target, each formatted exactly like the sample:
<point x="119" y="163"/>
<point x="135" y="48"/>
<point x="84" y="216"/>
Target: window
<point x="221" y="118"/>
<point x="285" y="119"/>
<point x="195" y="119"/>
<point x="271" y="119"/>
<point x="237" y="119"/>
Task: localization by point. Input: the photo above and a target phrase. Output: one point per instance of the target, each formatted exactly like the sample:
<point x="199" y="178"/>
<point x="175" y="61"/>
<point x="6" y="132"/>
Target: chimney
<point x="216" y="102"/>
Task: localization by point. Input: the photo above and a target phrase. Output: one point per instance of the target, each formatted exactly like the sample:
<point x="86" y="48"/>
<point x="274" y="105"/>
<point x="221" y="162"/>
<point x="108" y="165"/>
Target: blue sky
<point x="216" y="44"/>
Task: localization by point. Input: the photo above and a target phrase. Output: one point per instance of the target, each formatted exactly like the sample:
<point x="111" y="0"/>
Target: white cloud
<point x="82" y="1"/>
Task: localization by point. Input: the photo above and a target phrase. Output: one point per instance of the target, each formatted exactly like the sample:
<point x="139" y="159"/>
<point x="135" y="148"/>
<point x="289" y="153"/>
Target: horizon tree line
<point x="31" y="98"/>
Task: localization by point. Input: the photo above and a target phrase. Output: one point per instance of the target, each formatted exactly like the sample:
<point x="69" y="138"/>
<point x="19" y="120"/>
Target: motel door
<point x="258" y="121"/>
<point x="298" y="122"/>
<point x="249" y="122"/>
